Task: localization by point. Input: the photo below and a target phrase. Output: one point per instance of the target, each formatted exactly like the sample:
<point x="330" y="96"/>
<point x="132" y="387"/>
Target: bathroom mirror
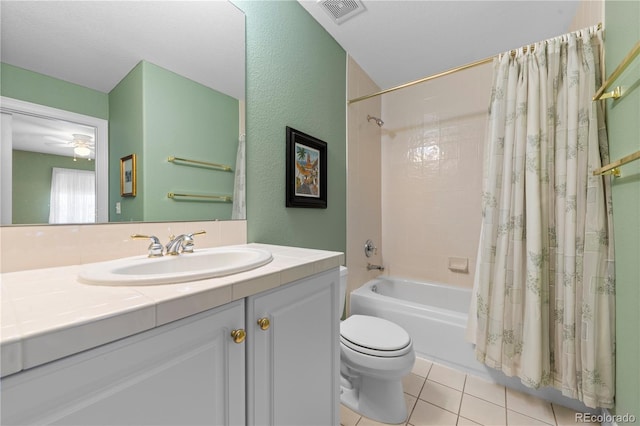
<point x="104" y="60"/>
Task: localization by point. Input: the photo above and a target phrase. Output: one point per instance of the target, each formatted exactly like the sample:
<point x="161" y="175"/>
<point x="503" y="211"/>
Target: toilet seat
<point x="374" y="336"/>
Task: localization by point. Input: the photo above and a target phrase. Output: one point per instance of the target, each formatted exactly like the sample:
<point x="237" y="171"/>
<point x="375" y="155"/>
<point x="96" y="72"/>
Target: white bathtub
<point x="435" y="316"/>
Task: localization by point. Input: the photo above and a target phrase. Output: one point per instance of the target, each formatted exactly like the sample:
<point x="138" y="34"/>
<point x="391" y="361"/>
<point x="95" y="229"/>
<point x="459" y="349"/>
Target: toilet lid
<point x="374" y="333"/>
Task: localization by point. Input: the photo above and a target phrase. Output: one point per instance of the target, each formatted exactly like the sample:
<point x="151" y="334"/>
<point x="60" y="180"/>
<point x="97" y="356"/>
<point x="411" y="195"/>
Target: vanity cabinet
<point x="293" y="353"/>
<point x="185" y="373"/>
<point x="194" y="372"/>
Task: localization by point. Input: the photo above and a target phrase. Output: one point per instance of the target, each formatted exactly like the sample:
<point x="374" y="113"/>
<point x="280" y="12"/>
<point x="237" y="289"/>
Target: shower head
<point x="376" y="119"/>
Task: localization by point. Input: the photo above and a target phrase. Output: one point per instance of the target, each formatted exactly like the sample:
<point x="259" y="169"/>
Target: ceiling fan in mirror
<point x="83" y="145"/>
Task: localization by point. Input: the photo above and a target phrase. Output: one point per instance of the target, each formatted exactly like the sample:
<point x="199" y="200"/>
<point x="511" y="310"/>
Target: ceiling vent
<point x="342" y="10"/>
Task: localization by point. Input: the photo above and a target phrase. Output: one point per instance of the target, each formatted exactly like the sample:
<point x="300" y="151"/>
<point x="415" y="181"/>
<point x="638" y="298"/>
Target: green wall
<point x="32" y="183"/>
<point x="187" y="120"/>
<point x="296" y="76"/>
<point x="622" y="20"/>
<point x="29" y="86"/>
<point x="155" y="114"/>
<point x="126" y="133"/>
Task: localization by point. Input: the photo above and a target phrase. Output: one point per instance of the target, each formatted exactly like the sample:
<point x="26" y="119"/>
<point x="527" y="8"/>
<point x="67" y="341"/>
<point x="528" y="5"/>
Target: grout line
<point x="424" y="382"/>
<point x="418" y="396"/>
<point x="532" y="418"/>
<point x="506" y="413"/>
<point x="555" y="417"/>
<point x="504" y="389"/>
<point x="506" y="409"/>
<point x="412" y="408"/>
<point x="464" y="385"/>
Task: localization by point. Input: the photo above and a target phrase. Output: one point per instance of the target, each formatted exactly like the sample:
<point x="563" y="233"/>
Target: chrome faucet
<point x="155" y="248"/>
<point x="183" y="243"/>
<point x="371" y="267"/>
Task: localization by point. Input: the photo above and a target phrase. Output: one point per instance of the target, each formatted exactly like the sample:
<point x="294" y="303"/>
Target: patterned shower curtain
<point x="543" y="298"/>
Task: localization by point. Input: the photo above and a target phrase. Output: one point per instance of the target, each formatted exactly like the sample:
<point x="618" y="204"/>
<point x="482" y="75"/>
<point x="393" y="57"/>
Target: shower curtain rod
<point x="441" y="74"/>
<point x="422" y="80"/>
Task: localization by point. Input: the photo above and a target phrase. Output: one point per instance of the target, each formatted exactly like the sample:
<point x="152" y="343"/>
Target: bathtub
<point x="435" y="316"/>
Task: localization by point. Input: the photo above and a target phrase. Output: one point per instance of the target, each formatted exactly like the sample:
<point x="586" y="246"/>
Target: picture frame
<point x="306" y="170"/>
<point x="128" y="176"/>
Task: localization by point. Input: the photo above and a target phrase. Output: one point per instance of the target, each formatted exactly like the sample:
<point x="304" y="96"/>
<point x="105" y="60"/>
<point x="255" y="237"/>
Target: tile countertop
<point x="47" y="314"/>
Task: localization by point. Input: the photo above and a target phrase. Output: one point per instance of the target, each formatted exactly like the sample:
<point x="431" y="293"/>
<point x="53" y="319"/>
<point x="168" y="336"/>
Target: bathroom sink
<point x="201" y="264"/>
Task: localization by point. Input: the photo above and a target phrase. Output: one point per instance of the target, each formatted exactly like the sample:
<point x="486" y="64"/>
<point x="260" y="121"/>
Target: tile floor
<point x="440" y="396"/>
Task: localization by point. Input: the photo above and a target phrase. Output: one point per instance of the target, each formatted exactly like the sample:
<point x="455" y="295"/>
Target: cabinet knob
<point x="264" y="323"/>
<point x="238" y="335"/>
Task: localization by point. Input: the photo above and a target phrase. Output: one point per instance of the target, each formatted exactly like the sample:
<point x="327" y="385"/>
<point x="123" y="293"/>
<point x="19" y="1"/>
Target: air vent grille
<point x="342" y="10"/>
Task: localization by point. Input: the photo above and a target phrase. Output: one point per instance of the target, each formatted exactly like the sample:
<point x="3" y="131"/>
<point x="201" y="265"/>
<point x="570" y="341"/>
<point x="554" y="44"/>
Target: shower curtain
<point x="543" y="298"/>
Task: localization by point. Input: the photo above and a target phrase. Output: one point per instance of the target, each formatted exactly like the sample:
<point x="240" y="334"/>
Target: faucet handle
<point x="370" y="248"/>
<point x="187" y="245"/>
<point x="155" y="248"/>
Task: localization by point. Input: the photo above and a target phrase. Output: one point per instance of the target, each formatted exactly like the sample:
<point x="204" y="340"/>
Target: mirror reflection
<point x="154" y="79"/>
<point x="53" y="171"/>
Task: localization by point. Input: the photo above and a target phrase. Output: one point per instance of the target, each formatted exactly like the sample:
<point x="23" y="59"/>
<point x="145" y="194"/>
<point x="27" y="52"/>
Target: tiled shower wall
<point x="363" y="177"/>
<point x="432" y="147"/>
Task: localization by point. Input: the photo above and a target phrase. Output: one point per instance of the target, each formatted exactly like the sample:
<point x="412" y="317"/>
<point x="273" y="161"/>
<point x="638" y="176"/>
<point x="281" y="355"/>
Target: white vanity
<point x="257" y="347"/>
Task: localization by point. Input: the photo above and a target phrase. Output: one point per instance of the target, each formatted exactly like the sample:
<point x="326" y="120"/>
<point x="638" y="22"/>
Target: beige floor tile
<point x="426" y="414"/>
<point x="412" y="384"/>
<point x="441" y="396"/>
<point x="483" y="389"/>
<point x="447" y="376"/>
<point x="530" y="406"/>
<point x="421" y="367"/>
<point x="565" y="416"/>
<point x="483" y="412"/>
<point x="517" y="419"/>
<point x="466" y="422"/>
<point x="348" y="417"/>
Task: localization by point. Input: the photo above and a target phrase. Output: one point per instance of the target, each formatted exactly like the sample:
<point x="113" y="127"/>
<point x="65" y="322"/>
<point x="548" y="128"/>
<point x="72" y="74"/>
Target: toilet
<point x="375" y="354"/>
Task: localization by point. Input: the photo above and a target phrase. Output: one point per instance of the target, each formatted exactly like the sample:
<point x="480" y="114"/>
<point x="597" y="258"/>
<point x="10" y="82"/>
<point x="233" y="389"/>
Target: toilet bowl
<point x="375" y="354"/>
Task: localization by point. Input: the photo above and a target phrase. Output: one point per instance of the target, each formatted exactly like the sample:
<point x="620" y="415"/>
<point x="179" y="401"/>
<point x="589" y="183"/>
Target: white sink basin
<point x="201" y="264"/>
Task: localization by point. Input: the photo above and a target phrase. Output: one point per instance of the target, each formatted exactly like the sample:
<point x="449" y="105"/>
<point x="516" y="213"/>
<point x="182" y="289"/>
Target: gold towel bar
<point x="612" y="168"/>
<point x="617" y="92"/>
<point x="222" y="198"/>
<point x="203" y="163"/>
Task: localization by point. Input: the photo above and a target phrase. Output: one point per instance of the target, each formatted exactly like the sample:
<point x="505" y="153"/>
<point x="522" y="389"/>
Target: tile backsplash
<point x="45" y="246"/>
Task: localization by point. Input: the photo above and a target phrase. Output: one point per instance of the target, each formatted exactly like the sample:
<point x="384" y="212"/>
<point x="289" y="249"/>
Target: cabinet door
<point x="184" y="373"/>
<point x="293" y="366"/>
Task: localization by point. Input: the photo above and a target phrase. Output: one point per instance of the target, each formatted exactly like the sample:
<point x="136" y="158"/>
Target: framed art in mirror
<point x="128" y="176"/>
<point x="306" y="170"/>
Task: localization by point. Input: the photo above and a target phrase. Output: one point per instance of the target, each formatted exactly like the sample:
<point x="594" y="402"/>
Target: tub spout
<point x="371" y="267"/>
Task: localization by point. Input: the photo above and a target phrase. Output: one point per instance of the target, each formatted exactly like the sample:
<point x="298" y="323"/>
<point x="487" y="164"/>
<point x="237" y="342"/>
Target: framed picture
<point x="128" y="176"/>
<point x="306" y="170"/>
